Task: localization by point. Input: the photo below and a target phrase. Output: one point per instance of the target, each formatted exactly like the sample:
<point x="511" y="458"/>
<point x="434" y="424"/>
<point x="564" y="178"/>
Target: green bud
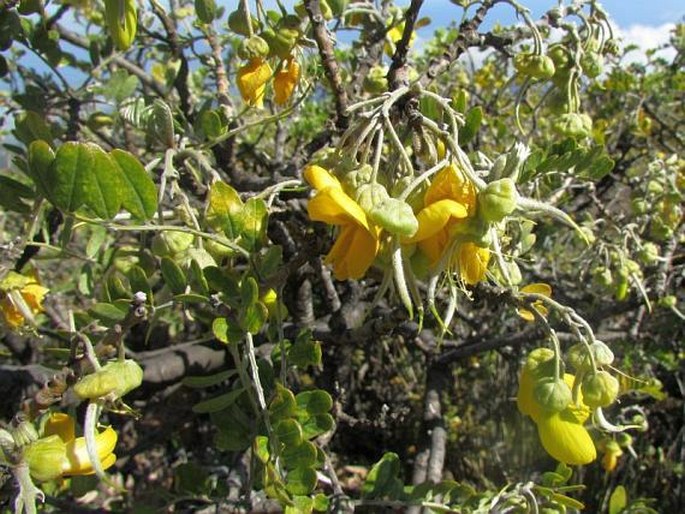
<point x="577" y="356"/>
<point x="668" y="302"/>
<point x="253" y="47"/>
<point x="573" y="125"/>
<point x="534" y="65"/>
<point x="552" y="394"/>
<point x="639" y="206"/>
<point x="592" y="64"/>
<point x="497" y="200"/>
<point x="237" y="22"/>
<point x="116" y="377"/>
<point x="599" y="389"/>
<point x="395" y="216"/>
<point x="624" y="439"/>
<point x="540" y="363"/>
<point x="375" y="81"/>
<point x="649" y="253"/>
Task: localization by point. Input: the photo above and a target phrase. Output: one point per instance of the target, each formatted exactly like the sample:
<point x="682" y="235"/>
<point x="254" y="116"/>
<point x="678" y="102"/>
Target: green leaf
<point x="301" y="455"/>
<point x="107" y="312"/>
<point x="301" y="481"/>
<point x="618" y="500"/>
<point x="223" y="212"/>
<point x="567" y="501"/>
<point x="249" y="291"/>
<point x="283" y="404"/>
<point x="225" y="332"/>
<point x="103" y="184"/>
<point x="40" y="158"/>
<point x="472" y="123"/>
<point x="173" y="275"/>
<point x="138" y="191"/>
<point x="11" y="194"/>
<point x="205" y="10"/>
<point x="138" y="280"/>
<point x="209" y="380"/>
<point x="314" y="402"/>
<point x="218" y="403"/>
<point x="305" y="353"/>
<point x="383" y="478"/>
<point x="261" y="448"/>
<point x="197" y="276"/>
<point x="289" y="432"/>
<point x="252" y="319"/>
<point x="302" y="505"/>
<point x="30" y="126"/>
<point x="317" y="425"/>
<point x="191" y="298"/>
<point x="67" y="176"/>
<point x="120" y="86"/>
<point x="253" y="221"/>
<point x="211" y="124"/>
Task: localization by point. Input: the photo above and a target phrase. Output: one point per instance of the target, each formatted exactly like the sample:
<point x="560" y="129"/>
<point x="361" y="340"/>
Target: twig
<point x="398" y="72"/>
<point x="330" y="64"/>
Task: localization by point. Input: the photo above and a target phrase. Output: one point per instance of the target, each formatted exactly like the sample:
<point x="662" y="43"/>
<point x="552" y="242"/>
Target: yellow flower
<point x="473" y="262"/>
<point x="536" y="288"/>
<point x="252" y="79"/>
<point x="22" y="300"/>
<point x="357" y="244"/>
<point x="562" y="434"/>
<point x="77" y="461"/>
<point x="285" y="81"/>
<point x="612" y="452"/>
<point x="395" y="36"/>
<point x="448" y="201"/>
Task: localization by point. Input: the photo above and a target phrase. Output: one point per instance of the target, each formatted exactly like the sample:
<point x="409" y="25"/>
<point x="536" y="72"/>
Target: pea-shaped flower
<point x="21" y="297"/>
<point x="252" y="79"/>
<point x="285" y="81"/>
<point x="357" y="244"/>
<point x="562" y="434"/>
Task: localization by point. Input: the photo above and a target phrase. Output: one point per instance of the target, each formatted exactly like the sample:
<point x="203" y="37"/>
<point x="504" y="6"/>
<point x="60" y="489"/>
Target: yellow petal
<point x="62" y="425"/>
<point x="319" y="178"/>
<point x="11" y="314"/>
<point x="334" y="207"/>
<point x="434" y="247"/>
<point x="535" y="288"/>
<point x="353" y="252"/>
<point x="77" y="454"/>
<point x="252" y="79"/>
<point x="538" y="288"/>
<point x="473" y="262"/>
<point x="285" y="81"/>
<point x="565" y="439"/>
<point x="33" y="295"/>
<point x="525" y="399"/>
<point x="435" y="217"/>
<point x="453" y="184"/>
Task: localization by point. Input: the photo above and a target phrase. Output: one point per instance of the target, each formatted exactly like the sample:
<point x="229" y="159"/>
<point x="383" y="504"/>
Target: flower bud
<point x="375" y="81"/>
<point x="117" y="377"/>
<point x="573" y="125"/>
<point x="599" y="389"/>
<point x="497" y="200"/>
<point x="591" y="62"/>
<point x="253" y="47"/>
<point x="579" y="360"/>
<point x="534" y="65"/>
<point x="237" y="22"/>
<point x="552" y="394"/>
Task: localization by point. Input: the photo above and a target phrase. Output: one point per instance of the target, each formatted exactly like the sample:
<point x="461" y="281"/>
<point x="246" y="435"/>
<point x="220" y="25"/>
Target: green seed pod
<point x="552" y="394"/>
<point x="237" y="22"/>
<point x="253" y="47"/>
<point x="122" y="21"/>
<point x="46" y="458"/>
<point x="497" y="200"/>
<point x="116" y="377"/>
<point x="599" y="389"/>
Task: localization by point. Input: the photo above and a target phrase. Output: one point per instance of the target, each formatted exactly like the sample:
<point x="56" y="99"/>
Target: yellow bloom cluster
<point x="253" y="77"/>
<point x="563" y="434"/>
<point x="59" y="453"/>
<point x="21" y="298"/>
<point x="447" y="204"/>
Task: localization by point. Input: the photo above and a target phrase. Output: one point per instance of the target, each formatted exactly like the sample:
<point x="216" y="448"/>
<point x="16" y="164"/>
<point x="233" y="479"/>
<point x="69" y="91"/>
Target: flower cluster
<point x="21" y="298"/>
<point x="439" y="231"/>
<point x="561" y="403"/>
<point x="253" y="77"/>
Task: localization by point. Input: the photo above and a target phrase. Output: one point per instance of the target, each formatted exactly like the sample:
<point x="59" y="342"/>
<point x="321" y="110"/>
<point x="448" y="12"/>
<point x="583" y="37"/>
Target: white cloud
<point x="646" y="37"/>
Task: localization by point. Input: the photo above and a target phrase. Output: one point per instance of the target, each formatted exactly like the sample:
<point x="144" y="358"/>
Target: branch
<point x="397" y="74"/>
<point x="329" y="62"/>
<point x="468" y="37"/>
